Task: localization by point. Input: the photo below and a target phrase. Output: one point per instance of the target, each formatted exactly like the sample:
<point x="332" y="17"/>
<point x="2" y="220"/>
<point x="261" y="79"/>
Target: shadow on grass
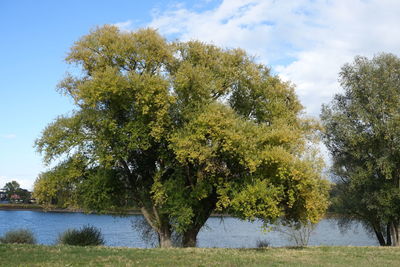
<point x="271" y="248"/>
<point x="296" y="247"/>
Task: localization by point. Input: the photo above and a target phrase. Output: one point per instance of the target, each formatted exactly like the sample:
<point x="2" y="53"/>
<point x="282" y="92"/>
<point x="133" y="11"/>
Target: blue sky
<point x="35" y="37"/>
<point x="304" y="41"/>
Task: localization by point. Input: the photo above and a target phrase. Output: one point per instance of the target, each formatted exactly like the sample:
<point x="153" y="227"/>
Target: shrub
<point x="19" y="236"/>
<point x="262" y="243"/>
<point x="297" y="232"/>
<point x="85" y="236"/>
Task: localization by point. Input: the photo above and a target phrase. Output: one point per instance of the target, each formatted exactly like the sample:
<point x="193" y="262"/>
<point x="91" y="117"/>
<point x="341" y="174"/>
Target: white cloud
<point x="124" y="26"/>
<point x="9" y="136"/>
<point x="304" y="41"/>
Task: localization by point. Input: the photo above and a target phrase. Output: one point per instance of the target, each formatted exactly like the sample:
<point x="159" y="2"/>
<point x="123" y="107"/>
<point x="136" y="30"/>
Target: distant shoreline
<point x="36" y="207"/>
<point x="10" y="206"/>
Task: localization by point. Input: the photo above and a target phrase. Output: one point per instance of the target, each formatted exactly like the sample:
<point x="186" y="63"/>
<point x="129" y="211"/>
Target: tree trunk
<point x="394" y="234"/>
<point x="202" y="213"/>
<point x="394" y="224"/>
<point x="189" y="238"/>
<point x="160" y="225"/>
<point x="388" y="237"/>
<point x="380" y="237"/>
<point x="165" y="238"/>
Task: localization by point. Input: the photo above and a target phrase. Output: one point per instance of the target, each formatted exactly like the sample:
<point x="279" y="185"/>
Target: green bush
<point x="262" y="243"/>
<point x="85" y="236"/>
<point x="19" y="236"/>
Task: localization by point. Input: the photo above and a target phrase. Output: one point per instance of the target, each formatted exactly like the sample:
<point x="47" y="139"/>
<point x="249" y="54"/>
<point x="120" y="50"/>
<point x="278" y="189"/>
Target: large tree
<point x="185" y="128"/>
<point x="363" y="135"/>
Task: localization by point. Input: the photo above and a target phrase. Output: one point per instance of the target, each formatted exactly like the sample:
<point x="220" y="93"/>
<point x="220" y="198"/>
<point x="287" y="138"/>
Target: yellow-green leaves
<point x="57" y="185"/>
<point x="141" y="51"/>
<point x="61" y="137"/>
<point x="101" y="86"/>
<point x="214" y="136"/>
<point x="260" y="199"/>
<point x="203" y="72"/>
<point x="262" y="170"/>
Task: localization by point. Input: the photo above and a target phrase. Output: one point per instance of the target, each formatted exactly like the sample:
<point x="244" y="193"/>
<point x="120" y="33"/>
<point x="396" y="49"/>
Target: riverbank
<point x="39" y="255"/>
<point x="12" y="206"/>
<point x="37" y="207"/>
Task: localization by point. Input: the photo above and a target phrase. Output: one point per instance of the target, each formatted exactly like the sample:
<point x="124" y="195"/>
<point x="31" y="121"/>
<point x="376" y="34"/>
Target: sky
<point x="303" y="41"/>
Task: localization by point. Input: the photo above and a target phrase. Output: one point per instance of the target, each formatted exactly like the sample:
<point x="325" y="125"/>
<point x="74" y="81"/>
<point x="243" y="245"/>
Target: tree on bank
<point x="181" y="130"/>
<point x="11" y="188"/>
<point x="363" y="135"/>
<point x="14" y="192"/>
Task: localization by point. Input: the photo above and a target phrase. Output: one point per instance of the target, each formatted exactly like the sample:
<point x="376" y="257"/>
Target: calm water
<point x="226" y="232"/>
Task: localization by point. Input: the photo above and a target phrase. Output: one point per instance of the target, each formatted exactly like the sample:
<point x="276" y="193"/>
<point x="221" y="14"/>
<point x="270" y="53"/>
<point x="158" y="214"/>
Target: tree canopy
<point x="181" y="129"/>
<point x="11" y="188"/>
<point x="362" y="133"/>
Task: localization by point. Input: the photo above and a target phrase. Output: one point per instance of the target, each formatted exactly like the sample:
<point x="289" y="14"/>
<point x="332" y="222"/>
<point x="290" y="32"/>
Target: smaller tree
<point x="362" y="130"/>
<point x="14" y="192"/>
<point x="11" y="188"/>
<point x="299" y="232"/>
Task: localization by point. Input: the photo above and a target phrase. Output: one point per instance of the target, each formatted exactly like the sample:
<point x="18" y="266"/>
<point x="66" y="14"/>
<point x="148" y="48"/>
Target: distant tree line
<point x="14" y="193"/>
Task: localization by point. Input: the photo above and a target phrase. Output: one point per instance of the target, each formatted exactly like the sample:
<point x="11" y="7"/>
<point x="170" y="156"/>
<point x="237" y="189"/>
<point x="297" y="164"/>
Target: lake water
<point x="225" y="232"/>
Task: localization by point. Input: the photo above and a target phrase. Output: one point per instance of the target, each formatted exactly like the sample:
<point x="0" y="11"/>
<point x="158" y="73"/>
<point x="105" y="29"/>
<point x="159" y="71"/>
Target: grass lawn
<point x="38" y="255"/>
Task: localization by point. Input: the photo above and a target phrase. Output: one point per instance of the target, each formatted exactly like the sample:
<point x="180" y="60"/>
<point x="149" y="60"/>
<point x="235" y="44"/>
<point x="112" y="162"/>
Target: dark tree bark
<point x="202" y="213"/>
<point x="189" y="238"/>
<point x="388" y="237"/>
<point x="380" y="237"/>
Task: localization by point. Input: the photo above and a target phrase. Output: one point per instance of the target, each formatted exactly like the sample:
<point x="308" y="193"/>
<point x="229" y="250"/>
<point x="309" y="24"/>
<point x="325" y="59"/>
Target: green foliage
<point x="85" y="236"/>
<point x="259" y="200"/>
<point x="58" y="185"/>
<point x="19" y="236"/>
<point x="103" y="191"/>
<point x="180" y="129"/>
<point x="11" y="188"/>
<point x="73" y="185"/>
<point x="362" y="133"/>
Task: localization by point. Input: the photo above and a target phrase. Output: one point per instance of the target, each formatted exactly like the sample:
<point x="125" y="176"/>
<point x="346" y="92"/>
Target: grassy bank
<point x="36" y="255"/>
